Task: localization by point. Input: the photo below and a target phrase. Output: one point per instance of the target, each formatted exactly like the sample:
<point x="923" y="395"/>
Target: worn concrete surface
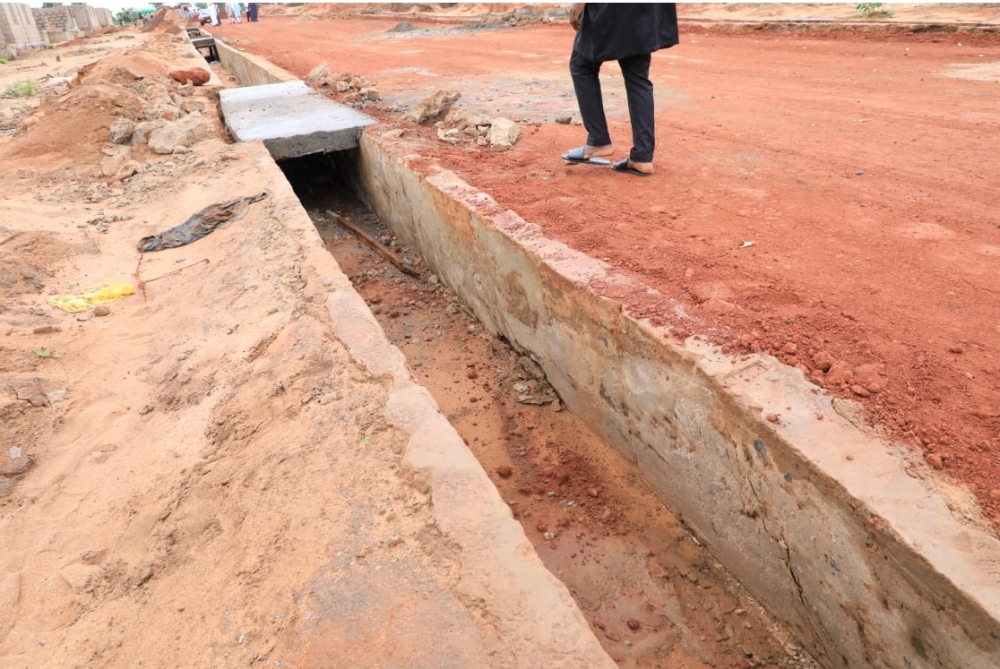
<point x="835" y="531"/>
<point x="291" y="119"/>
<point x="249" y="69"/>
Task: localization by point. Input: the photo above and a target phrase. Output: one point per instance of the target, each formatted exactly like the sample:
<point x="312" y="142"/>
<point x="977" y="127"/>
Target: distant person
<point x="628" y="33"/>
<point x="213" y="13"/>
<point x="234" y="9"/>
<point x="252" y="11"/>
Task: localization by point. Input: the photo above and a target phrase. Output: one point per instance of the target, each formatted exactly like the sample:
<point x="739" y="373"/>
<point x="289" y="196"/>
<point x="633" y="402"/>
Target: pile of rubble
<point x="458" y="125"/>
<point x="356" y="90"/>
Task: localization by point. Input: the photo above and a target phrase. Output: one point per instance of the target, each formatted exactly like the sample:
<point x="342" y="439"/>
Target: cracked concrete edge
<point x="249" y="69"/>
<point x="868" y="565"/>
<point x="530" y="614"/>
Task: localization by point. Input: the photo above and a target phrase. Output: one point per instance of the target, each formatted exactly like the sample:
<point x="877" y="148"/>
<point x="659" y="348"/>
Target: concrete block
<point x="291" y="119"/>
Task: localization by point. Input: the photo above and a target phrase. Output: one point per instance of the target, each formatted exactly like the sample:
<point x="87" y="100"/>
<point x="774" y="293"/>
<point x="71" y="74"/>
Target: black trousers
<point x="639" y="92"/>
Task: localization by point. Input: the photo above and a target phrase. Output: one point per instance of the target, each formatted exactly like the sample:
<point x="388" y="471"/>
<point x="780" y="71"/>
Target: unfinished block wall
<point x="17" y="25"/>
<point x="55" y="24"/>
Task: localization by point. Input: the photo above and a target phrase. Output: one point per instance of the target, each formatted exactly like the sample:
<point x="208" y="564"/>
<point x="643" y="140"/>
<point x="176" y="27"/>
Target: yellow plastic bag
<point x="99" y="294"/>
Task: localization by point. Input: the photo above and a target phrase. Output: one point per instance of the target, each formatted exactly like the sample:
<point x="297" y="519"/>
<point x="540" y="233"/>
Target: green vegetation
<point x="20" y="89"/>
<point x="3" y="61"/>
<point x="870" y="9"/>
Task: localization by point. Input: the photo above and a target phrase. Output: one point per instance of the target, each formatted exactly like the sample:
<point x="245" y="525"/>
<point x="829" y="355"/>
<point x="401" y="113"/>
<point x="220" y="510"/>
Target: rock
<point x="839" y="372"/>
<point x="320" y="75"/>
<point x="196" y="75"/>
<point x="503" y="134"/>
<point x="860" y="391"/>
<point x="633" y="624"/>
<point x="352" y="98"/>
<point x="193" y="105"/>
<point x="869" y="377"/>
<point x="140" y="135"/>
<point x="182" y="133"/>
<point x="935" y="461"/>
<point x="342" y="86"/>
<point x="370" y="94"/>
<point x="448" y="136"/>
<point x="101" y="311"/>
<point x="718" y="306"/>
<point x="520" y="387"/>
<point x="955" y="349"/>
<point x="774" y="418"/>
<point x="823" y="361"/>
<point x="995" y="494"/>
<point x="432" y="106"/>
<point x="111" y="165"/>
<point x="564" y="120"/>
<point x="166" y="112"/>
<point x="789" y="349"/>
<point x="121" y="130"/>
<point x="504" y="471"/>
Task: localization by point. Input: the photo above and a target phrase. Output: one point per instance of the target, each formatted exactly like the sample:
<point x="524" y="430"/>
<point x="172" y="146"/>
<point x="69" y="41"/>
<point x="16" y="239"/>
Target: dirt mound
<point x="122" y="70"/>
<point x="66" y="129"/>
<point x="164" y="21"/>
<point x="108" y="101"/>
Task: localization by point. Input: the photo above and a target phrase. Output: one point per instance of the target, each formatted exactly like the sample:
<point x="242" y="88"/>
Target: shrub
<point x="20" y="89"/>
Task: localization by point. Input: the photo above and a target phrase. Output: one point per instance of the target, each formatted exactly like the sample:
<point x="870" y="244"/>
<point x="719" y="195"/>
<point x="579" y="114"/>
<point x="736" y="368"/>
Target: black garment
<point x="614" y="31"/>
<point x="639" y="92"/>
<point x="628" y="33"/>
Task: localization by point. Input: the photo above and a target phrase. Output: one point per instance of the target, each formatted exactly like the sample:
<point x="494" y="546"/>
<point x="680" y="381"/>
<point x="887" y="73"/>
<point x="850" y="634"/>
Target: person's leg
<point x="639" y="91"/>
<point x="587" y="85"/>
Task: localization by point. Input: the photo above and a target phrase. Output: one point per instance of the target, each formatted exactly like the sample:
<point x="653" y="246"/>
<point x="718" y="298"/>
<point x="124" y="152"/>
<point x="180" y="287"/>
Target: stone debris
<point x="178" y="134"/>
<point x="503" y="134"/>
<point x="458" y="126"/>
<point x="121" y="130"/>
<point x="357" y="89"/>
<point x="431" y="107"/>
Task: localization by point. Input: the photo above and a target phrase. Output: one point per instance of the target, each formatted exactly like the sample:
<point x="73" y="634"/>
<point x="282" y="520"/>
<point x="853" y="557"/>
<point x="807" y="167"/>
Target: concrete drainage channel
<point x="854" y="550"/>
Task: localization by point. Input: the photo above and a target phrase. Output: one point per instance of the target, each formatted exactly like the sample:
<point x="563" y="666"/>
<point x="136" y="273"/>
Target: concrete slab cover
<point x="291" y="119"/>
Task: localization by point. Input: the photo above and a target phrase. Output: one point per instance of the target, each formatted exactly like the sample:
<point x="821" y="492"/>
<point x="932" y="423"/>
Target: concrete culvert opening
<point x="652" y="594"/>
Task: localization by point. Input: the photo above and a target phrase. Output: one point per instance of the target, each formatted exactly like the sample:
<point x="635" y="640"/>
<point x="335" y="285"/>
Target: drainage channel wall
<point x="855" y="548"/>
<point x="866" y="564"/>
<point x="248" y="69"/>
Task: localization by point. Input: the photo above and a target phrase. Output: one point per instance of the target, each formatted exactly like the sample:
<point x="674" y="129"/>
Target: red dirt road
<point x="862" y="168"/>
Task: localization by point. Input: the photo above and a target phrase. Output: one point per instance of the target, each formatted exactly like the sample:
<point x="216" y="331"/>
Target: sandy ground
<point x="825" y="198"/>
<point x="203" y="474"/>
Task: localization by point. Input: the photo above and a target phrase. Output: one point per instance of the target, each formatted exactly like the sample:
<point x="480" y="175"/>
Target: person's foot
<point x="633" y="167"/>
<point x="597" y="151"/>
<point x="593" y="155"/>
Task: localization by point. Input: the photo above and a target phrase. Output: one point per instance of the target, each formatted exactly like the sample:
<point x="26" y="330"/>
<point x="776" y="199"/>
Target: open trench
<point x="651" y="592"/>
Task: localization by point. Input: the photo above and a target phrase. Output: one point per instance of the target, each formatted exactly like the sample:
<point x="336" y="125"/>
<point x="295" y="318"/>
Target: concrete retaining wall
<point x="17" y="26"/>
<point x="87" y="18"/>
<point x="820" y="520"/>
<point x="249" y="69"/>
